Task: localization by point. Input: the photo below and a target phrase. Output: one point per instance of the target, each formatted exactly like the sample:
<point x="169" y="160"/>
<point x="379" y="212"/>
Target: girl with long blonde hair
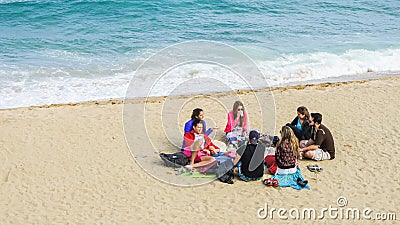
<point x="288" y="139"/>
<point x="288" y="173"/>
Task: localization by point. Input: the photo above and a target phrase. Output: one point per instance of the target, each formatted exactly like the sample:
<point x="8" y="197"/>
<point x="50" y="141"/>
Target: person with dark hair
<point x="237" y="124"/>
<point x="198" y="114"/>
<point x="321" y="145"/>
<point x="198" y="146"/>
<point x="300" y="124"/>
<point x="250" y="158"/>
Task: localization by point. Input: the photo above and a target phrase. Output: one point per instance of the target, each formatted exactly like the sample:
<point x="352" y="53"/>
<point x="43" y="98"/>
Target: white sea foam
<point x="102" y="79"/>
<point x="322" y="65"/>
<point x="13" y="1"/>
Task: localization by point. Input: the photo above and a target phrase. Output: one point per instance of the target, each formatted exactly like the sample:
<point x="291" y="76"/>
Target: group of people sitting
<point x="304" y="137"/>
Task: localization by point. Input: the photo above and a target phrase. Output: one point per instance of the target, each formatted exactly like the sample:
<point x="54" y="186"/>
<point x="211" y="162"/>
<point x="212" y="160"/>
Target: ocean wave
<point x="320" y="65"/>
<point x="15" y="1"/>
<point x="84" y="77"/>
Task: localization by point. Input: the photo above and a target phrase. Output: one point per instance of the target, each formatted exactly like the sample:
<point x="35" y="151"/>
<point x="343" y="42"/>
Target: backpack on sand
<point x="175" y="160"/>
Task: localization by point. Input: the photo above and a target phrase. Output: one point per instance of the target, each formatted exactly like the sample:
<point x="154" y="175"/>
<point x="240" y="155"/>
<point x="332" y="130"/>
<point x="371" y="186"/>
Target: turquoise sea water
<point x="71" y="51"/>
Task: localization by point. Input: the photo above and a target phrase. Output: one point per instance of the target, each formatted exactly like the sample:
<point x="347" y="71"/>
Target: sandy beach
<point x="70" y="164"/>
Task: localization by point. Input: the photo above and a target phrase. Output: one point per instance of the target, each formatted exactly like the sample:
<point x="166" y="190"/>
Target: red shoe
<point x="268" y="182"/>
<point x="275" y="183"/>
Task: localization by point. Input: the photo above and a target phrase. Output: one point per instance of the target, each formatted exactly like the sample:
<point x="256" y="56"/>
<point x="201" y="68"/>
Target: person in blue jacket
<point x="197" y="114"/>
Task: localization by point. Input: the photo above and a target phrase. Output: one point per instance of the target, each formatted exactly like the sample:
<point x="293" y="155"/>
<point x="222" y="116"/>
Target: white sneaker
<point x="189" y="168"/>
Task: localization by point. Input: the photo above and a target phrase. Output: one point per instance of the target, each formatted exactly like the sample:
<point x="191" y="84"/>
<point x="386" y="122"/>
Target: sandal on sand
<point x="189" y="169"/>
<point x="268" y="182"/>
<point x="314" y="168"/>
<point x="275" y="183"/>
<point x="302" y="183"/>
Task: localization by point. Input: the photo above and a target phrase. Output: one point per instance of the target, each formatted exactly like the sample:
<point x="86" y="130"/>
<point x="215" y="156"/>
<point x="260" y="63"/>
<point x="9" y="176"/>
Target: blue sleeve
<point x="209" y="131"/>
<point x="188" y="126"/>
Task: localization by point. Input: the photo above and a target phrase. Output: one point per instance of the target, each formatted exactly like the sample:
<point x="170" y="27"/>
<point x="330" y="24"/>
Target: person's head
<point x="253" y="137"/>
<point x="302" y="113"/>
<point x="197" y="114"/>
<point x="197" y="126"/>
<point x="287" y="135"/>
<point x="238" y="109"/>
<point x="315" y="119"/>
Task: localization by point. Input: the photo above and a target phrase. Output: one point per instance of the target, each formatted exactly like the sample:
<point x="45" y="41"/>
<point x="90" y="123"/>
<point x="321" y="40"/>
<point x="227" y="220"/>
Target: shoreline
<point x="335" y="81"/>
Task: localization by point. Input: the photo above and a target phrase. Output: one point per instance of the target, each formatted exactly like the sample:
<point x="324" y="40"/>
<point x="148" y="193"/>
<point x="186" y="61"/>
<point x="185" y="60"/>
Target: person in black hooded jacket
<point x="301" y="125"/>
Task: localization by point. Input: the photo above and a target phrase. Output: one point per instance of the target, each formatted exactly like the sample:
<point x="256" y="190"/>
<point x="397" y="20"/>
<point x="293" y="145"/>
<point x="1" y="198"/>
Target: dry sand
<point x="70" y="163"/>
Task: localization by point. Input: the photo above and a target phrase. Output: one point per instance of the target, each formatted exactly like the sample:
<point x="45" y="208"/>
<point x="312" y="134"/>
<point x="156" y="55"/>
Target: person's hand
<point x="302" y="150"/>
<point x="212" y="148"/>
<point x="207" y="152"/>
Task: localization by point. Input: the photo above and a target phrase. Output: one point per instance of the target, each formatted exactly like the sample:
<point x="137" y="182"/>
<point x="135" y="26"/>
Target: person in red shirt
<point x="198" y="146"/>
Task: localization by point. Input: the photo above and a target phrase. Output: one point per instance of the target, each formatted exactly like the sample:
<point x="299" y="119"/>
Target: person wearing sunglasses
<point x="237" y="124"/>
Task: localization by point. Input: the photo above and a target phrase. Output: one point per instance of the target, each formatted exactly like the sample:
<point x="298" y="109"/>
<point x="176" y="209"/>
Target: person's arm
<point x="309" y="148"/>
<point x="207" y="132"/>
<point x="188" y="126"/>
<point x="306" y="132"/>
<point x="318" y="141"/>
<point x="239" y="154"/>
<point x="209" y="145"/>
<point x="236" y="160"/>
<point x="188" y="139"/>
<point x="228" y="127"/>
<point x="245" y="124"/>
<point x="204" y="126"/>
<point x="293" y="125"/>
<point x="294" y="122"/>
